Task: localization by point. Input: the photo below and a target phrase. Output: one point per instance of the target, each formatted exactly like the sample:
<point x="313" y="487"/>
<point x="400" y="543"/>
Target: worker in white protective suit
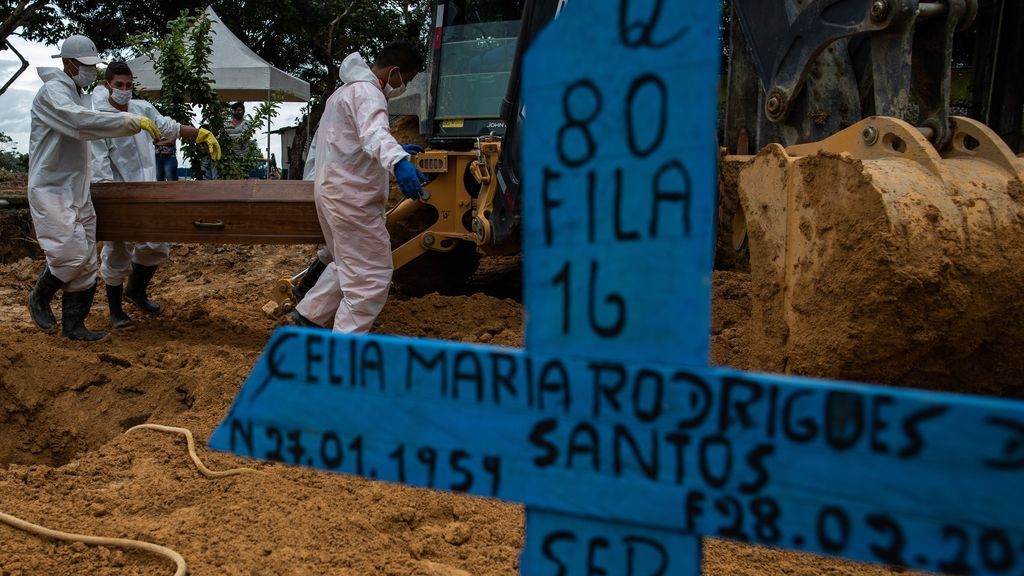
<point x="323" y="256"/>
<point x="355" y="152"/>
<point x="62" y="122"/>
<point x="132" y="159"/>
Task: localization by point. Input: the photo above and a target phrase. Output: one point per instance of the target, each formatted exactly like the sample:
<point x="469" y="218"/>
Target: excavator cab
<point x="474" y="50"/>
<point x="472" y="130"/>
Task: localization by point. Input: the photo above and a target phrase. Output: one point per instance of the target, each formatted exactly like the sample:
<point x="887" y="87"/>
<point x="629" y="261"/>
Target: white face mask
<point x="392" y="92"/>
<point x="121" y="97"/>
<point x="86" y="76"/>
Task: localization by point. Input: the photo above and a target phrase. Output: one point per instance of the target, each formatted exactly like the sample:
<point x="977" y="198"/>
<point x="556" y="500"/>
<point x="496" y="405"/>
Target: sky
<point x="16" y="102"/>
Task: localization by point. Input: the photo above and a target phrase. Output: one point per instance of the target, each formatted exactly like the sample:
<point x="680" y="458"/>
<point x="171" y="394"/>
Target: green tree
<point x="39" y="20"/>
<point x="310" y="38"/>
<point x="10" y="158"/>
<point x="307" y="38"/>
<point x="181" y="58"/>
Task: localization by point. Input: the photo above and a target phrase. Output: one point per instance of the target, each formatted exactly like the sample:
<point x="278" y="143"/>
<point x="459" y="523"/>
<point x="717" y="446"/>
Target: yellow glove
<point x="147" y="125"/>
<point x="206" y="136"/>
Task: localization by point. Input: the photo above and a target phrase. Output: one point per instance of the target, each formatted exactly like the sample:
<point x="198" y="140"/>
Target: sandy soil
<point x="885" y="271"/>
<point x="66" y="463"/>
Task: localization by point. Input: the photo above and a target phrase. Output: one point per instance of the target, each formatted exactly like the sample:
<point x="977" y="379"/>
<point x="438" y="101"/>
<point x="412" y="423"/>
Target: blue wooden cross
<point x="612" y="429"/>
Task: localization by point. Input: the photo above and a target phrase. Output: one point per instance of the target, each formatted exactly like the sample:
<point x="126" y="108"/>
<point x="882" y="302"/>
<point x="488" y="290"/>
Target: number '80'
<point x="582" y="104"/>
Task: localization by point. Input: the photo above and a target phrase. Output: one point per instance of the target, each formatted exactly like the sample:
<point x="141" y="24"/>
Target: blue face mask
<point x="238" y="115"/>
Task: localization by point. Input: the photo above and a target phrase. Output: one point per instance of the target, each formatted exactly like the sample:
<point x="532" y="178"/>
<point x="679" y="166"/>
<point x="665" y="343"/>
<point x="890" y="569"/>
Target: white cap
<point x="79" y="48"/>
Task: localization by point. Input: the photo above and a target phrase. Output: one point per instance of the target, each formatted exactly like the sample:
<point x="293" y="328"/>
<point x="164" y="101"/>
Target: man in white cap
<point x="58" y="185"/>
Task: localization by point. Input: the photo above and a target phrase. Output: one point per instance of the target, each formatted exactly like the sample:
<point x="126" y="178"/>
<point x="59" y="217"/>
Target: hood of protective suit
<point x="51" y="73"/>
<point x="355" y="69"/>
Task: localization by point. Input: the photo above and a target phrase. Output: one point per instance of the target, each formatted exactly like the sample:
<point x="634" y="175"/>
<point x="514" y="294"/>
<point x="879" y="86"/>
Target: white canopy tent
<point x="238" y="72"/>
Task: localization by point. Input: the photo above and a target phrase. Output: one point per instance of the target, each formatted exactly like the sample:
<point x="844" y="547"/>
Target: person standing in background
<point x="166" y="159"/>
<point x="238" y="126"/>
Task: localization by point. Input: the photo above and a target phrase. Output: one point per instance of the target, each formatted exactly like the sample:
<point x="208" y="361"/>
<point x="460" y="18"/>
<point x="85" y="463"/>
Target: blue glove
<point x="413" y="149"/>
<point x="410" y="179"/>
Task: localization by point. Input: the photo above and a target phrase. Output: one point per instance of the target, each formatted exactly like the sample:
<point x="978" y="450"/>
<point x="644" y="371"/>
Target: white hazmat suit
<point x="323" y="255"/>
<point x="58" y="181"/>
<point x="309" y="173"/>
<point x="355" y="152"/>
<point x="129" y="159"/>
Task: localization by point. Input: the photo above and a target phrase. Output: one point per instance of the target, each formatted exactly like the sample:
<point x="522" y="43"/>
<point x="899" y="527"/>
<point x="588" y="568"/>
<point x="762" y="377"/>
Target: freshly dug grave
<point x="63" y="407"/>
<point x="17" y="237"/>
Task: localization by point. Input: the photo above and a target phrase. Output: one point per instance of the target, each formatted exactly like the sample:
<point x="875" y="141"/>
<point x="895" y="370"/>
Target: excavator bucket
<point x="875" y="258"/>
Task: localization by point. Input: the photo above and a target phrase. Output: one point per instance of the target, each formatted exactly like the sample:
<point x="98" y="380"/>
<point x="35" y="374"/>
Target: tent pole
<point x="268" y="135"/>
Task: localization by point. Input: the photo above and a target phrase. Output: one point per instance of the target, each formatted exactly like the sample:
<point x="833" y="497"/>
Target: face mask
<point x="121" y="97"/>
<point x="392" y="92"/>
<point x="238" y="115"/>
<point x="86" y="76"/>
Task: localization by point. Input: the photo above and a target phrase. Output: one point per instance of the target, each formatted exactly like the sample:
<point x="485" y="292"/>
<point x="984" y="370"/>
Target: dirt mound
<point x="890" y="270"/>
<point x="65" y="462"/>
<point x="17" y="236"/>
<point x="13" y="182"/>
<point x="67" y="404"/>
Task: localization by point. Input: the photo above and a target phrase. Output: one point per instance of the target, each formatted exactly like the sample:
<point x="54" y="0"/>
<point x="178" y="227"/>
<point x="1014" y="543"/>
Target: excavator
<point x="881" y="230"/>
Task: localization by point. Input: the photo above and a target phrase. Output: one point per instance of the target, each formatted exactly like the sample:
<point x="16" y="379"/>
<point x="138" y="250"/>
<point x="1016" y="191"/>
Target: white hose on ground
<point x="191" y="450"/>
<point x="171" y="555"/>
<point x="38" y="530"/>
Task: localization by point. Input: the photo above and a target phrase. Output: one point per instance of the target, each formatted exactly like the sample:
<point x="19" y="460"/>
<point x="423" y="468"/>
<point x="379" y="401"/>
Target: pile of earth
<point x="17" y="239"/>
<point x="66" y="463"/>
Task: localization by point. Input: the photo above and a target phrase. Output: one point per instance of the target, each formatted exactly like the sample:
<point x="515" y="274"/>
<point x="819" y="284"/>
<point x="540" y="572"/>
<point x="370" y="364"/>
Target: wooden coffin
<point x="208" y="211"/>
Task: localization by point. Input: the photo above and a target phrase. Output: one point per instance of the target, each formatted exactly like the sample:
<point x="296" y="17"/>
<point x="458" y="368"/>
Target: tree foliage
<point x="306" y="38"/>
<point x="181" y="59"/>
<point x="310" y="38"/>
<point x="10" y="158"/>
<point x="39" y="19"/>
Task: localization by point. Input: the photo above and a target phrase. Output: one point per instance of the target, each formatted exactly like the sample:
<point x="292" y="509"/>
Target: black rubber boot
<point x="118" y="318"/>
<point x="309" y="280"/>
<point x="76" y="310"/>
<point x="300" y="320"/>
<point x="39" y="300"/>
<point x="135" y="288"/>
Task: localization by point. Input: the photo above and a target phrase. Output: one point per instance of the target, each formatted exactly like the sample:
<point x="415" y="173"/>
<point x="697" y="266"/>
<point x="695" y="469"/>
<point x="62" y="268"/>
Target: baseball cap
<point x="79" y="48"/>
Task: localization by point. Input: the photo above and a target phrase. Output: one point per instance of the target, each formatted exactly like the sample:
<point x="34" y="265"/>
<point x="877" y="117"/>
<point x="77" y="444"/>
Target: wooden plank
<point x="198" y="191"/>
<point x="572" y="546"/>
<point x="217" y="211"/>
<point x="865" y="472"/>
